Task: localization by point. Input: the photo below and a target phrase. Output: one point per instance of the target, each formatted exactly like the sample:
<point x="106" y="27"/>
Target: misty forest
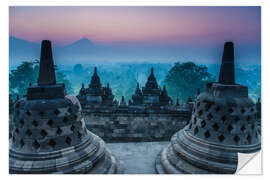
<point x="181" y="78"/>
<point x="123" y="67"/>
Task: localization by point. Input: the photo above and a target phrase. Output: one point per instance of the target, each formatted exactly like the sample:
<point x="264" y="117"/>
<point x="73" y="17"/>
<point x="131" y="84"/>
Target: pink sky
<point x="145" y="25"/>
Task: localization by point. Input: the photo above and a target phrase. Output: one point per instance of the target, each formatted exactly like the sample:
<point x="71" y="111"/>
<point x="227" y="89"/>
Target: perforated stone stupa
<point x="96" y="95"/>
<point x="223" y="123"/>
<point x="151" y="95"/>
<point x="49" y="133"/>
<point x="11" y="103"/>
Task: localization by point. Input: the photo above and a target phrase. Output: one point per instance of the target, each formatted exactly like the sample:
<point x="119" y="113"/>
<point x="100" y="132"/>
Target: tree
<point x="78" y="69"/>
<point x="183" y="80"/>
<point x="61" y="78"/>
<point x="20" y="78"/>
<point x="26" y="73"/>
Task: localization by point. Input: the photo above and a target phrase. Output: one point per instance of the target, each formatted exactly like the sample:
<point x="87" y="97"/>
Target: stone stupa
<point x="50" y="135"/>
<point x="96" y="95"/>
<point x="223" y="123"/>
<point x="151" y="91"/>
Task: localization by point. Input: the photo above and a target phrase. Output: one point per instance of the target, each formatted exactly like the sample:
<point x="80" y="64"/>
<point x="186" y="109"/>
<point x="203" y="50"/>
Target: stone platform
<point x="137" y="158"/>
<point x="134" y="124"/>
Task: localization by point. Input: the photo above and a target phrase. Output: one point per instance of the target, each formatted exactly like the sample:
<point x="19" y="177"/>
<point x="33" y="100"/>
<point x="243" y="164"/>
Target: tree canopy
<point x="78" y="68"/>
<point x="26" y="73"/>
<point x="183" y="80"/>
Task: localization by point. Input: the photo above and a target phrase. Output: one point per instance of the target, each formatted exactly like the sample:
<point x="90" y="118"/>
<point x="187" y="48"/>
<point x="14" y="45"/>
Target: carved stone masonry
<point x="223" y="123"/>
<point x="50" y="135"/>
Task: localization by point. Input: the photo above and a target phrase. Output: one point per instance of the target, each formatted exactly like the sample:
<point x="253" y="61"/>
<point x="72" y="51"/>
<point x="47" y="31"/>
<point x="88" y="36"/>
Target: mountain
<point x="21" y="50"/>
<point x="78" y="49"/>
<point x="82" y="51"/>
<point x="82" y="43"/>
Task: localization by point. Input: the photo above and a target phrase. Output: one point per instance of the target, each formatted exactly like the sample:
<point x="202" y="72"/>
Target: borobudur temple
<point x="49" y="134"/>
<point x="223" y="123"/>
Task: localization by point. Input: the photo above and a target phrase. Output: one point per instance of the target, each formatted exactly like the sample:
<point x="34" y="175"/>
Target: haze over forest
<point x="85" y="52"/>
<point x="121" y="75"/>
<point x="125" y="42"/>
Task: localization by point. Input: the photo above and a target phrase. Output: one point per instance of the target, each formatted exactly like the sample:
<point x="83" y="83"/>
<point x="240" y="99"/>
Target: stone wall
<point x="127" y="125"/>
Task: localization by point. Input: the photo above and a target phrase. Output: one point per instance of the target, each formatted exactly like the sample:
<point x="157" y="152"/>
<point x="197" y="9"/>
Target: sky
<point x="195" y="29"/>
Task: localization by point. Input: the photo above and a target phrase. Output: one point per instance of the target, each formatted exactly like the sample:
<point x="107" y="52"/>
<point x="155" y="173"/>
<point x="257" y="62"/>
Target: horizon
<point x="154" y="34"/>
<point x="90" y="63"/>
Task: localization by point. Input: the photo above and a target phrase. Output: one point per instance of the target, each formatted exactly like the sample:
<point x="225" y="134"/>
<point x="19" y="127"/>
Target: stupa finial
<point x="95" y="71"/>
<point x="177" y="102"/>
<point x="198" y="91"/>
<point x="46" y="68"/>
<point x="226" y="73"/>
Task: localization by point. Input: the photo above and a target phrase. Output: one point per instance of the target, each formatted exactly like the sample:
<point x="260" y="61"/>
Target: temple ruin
<point x="149" y="116"/>
<point x="52" y="132"/>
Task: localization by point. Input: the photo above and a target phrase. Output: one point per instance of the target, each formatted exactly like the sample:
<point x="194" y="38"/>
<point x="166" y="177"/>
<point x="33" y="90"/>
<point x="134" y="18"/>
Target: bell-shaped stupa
<point x="223" y="123"/>
<point x="49" y="134"/>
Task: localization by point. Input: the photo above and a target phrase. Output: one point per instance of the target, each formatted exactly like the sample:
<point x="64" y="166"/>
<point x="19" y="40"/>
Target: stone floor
<point x="137" y="158"/>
